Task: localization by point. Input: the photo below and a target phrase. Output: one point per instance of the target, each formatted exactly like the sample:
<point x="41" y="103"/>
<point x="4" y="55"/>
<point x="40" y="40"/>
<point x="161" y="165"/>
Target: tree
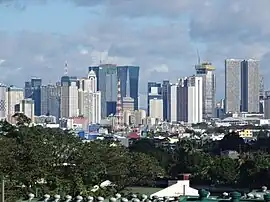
<point x="21" y="119"/>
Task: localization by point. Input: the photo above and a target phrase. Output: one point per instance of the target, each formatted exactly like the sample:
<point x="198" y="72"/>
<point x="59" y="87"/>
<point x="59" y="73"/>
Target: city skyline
<point x="151" y="35"/>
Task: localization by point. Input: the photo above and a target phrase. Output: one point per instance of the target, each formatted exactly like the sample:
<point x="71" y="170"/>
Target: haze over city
<point x="37" y="37"/>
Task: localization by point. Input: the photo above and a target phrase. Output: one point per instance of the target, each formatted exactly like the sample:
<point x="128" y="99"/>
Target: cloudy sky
<point x="161" y="36"/>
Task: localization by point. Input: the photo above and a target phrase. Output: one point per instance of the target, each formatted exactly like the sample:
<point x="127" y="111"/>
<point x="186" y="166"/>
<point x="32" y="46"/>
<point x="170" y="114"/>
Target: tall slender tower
<point x="119" y="113"/>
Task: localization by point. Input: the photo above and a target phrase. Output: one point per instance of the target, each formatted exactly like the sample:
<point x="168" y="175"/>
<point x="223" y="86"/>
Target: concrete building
<point x="206" y="71"/>
<point x="156" y="108"/>
<point x="50" y="100"/>
<point x="27" y="107"/>
<point x="3" y="101"/>
<point x="250" y="86"/>
<point x="190" y="100"/>
<point x="232" y="85"/>
<point x="154" y="91"/>
<point x="173" y="103"/>
<point x="69" y="105"/>
<point x="139" y="116"/>
<point x="267" y="107"/>
<point x="14" y="96"/>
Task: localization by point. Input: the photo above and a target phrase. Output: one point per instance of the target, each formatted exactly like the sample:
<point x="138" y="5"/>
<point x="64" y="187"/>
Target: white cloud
<point x="224" y="29"/>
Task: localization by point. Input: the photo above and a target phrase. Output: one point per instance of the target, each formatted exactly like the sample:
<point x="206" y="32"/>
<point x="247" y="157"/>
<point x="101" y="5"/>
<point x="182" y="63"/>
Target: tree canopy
<point x="43" y="160"/>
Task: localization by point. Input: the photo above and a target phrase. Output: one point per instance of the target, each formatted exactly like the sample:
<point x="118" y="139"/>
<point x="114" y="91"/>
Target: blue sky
<point x="37" y="37"/>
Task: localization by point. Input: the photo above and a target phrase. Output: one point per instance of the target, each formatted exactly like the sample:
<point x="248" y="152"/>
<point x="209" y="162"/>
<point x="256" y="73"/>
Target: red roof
<point x="134" y="135"/>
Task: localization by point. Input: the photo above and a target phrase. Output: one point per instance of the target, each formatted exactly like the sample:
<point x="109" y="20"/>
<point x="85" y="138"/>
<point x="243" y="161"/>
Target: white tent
<point x="180" y="188"/>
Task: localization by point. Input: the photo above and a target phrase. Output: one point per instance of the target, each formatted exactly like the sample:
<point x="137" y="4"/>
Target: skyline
<point x="37" y="38"/>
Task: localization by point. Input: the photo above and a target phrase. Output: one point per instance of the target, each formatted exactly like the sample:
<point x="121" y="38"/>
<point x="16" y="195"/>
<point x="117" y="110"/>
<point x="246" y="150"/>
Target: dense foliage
<point x="209" y="162"/>
<point x="43" y="160"/>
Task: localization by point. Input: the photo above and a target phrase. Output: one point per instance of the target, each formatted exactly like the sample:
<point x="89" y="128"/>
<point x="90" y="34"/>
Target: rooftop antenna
<point x="66" y="69"/>
<point x="198" y="56"/>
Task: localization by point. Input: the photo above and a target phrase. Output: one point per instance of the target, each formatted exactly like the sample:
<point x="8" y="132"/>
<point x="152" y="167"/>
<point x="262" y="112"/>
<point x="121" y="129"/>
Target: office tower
<point x="107" y="85"/>
<point x="36" y="94"/>
<point x="27" y="89"/>
<point x="166" y="87"/>
<point x="156" y="108"/>
<point x="93" y="103"/>
<point x="129" y="78"/>
<point x="128" y="102"/>
<point x="190" y="100"/>
<point x="14" y="96"/>
<point x="206" y="71"/>
<point x="69" y="97"/>
<point x="250" y="85"/>
<point x="3" y="101"/>
<point x="173" y="103"/>
<point x="154" y="90"/>
<point x="73" y="108"/>
<point x="50" y="100"/>
<point x="27" y="108"/>
<point x="232" y="85"/>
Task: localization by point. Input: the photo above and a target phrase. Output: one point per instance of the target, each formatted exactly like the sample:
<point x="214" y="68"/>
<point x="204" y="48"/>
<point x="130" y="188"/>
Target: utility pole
<point x="2" y="189"/>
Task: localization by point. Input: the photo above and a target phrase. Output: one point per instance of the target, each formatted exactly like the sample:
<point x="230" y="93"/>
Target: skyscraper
<point x="206" y="71"/>
<point x="173" y="103"/>
<point x="190" y="99"/>
<point x="36" y="94"/>
<point x="250" y="85"/>
<point x="166" y="88"/>
<point x="154" y="91"/>
<point x="50" y="100"/>
<point x="14" y="96"/>
<point x="69" y="106"/>
<point x="232" y="85"/>
<point x="129" y="75"/>
<point x="92" y="102"/>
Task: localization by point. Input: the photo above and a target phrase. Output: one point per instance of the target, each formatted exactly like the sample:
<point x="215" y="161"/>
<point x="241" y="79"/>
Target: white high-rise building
<point x="173" y="104"/>
<point x="190" y="100"/>
<point x="156" y="108"/>
<point x="14" y="96"/>
<point x="73" y="107"/>
<point x="91" y="99"/>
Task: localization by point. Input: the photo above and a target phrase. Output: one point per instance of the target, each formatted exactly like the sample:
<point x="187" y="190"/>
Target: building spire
<point x="66" y="69"/>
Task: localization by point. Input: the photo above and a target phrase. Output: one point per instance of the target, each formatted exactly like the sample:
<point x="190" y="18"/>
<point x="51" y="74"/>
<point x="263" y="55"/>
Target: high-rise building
<point x="128" y="101"/>
<point x="166" y="87"/>
<point x="107" y="77"/>
<point x="250" y="85"/>
<point x="3" y="101"/>
<point x="14" y="96"/>
<point x="36" y="94"/>
<point x="107" y="85"/>
<point x="27" y="108"/>
<point x="173" y="103"/>
<point x="232" y="85"/>
<point x="50" y="100"/>
<point x="69" y="106"/>
<point x="94" y="112"/>
<point x="129" y="78"/>
<point x="154" y="91"/>
<point x="156" y="108"/>
<point x="27" y="89"/>
<point x="206" y="71"/>
<point x="190" y="100"/>
<point x="242" y="85"/>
